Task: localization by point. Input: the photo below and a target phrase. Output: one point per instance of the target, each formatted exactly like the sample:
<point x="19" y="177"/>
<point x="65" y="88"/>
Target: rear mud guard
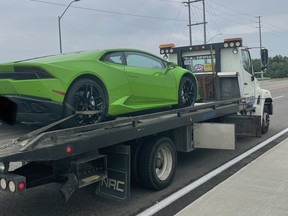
<point x="117" y="184"/>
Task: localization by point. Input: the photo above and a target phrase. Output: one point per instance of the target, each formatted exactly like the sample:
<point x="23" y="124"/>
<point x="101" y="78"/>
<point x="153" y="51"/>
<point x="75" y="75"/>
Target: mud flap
<point x="117" y="184"/>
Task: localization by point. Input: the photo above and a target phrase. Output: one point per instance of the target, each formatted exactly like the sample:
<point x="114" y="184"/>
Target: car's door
<point x="115" y="75"/>
<point x="147" y="78"/>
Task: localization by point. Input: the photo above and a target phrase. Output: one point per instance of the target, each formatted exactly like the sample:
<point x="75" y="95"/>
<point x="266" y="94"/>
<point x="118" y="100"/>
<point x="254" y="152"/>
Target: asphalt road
<point x="46" y="200"/>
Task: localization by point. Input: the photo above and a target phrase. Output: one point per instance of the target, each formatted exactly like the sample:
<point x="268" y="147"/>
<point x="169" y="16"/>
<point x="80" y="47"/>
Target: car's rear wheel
<point x="187" y="92"/>
<point x="85" y="95"/>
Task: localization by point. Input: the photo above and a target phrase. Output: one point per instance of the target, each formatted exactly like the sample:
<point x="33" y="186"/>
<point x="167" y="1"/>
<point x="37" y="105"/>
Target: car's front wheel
<point x="85" y="95"/>
<point x="187" y="92"/>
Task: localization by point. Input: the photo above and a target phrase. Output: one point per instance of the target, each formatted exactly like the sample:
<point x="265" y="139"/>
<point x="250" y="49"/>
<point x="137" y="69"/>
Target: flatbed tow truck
<point x="141" y="148"/>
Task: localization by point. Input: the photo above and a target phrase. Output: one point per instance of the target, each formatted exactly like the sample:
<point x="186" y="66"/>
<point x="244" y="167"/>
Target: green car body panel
<point x="129" y="88"/>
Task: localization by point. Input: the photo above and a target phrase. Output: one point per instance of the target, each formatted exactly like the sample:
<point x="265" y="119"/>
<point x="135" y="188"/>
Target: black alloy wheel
<point x="187" y="92"/>
<point x="86" y="95"/>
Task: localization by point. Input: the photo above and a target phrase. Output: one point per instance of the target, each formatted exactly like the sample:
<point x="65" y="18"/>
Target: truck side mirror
<point x="264" y="58"/>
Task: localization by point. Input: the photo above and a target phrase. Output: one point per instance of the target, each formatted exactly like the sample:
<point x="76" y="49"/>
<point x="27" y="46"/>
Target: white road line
<point x="277" y="97"/>
<point x="167" y="201"/>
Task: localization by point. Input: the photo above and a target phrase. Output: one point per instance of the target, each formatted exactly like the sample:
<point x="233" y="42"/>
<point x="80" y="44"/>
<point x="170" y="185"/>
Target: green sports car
<point x="114" y="82"/>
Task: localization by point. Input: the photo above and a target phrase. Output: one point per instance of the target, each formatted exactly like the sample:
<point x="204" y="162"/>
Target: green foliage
<point x="277" y="67"/>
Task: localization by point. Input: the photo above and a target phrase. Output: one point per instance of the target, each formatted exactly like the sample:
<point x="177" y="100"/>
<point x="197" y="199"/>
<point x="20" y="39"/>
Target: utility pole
<point x="190" y="24"/>
<point x="204" y="22"/>
<point x="188" y="3"/>
<point x="260" y="39"/>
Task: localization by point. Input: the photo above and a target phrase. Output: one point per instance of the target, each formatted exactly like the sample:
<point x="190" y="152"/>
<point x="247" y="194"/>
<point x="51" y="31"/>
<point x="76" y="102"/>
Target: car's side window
<point x="138" y="59"/>
<point x="114" y="57"/>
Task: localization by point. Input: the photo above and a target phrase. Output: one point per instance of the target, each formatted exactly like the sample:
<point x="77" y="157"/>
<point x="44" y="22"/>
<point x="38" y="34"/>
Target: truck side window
<point x="246" y="60"/>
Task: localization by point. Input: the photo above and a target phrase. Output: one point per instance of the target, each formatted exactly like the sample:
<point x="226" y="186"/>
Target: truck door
<point x="248" y="77"/>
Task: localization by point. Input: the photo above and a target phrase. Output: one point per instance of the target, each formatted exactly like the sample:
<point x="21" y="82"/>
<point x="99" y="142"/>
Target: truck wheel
<point x="135" y="151"/>
<point x="187" y="92"/>
<point x="265" y="120"/>
<point x="157" y="163"/>
<point x="85" y="95"/>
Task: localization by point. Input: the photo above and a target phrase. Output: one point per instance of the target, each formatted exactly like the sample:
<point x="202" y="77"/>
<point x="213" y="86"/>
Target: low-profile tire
<point x="186" y="92"/>
<point x="85" y="95"/>
<point x="265" y="120"/>
<point x="157" y="163"/>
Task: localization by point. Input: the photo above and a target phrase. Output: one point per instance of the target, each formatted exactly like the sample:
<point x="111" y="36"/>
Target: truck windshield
<point x="198" y="64"/>
<point x="246" y="61"/>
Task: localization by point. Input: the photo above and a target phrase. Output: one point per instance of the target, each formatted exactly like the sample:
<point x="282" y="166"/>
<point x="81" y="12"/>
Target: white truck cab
<point x="225" y="71"/>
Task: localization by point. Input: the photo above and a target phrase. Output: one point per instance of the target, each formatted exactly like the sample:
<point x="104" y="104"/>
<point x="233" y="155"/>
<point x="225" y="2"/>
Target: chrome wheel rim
<point x="163" y="163"/>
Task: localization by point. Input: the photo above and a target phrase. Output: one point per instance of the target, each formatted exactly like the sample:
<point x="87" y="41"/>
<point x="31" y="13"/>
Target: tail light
<point x="14" y="183"/>
<point x="12" y="186"/>
<point x="25" y="73"/>
<point x="3" y="184"/>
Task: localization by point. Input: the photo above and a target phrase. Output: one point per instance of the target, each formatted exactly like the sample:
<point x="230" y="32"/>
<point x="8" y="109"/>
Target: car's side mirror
<point x="169" y="66"/>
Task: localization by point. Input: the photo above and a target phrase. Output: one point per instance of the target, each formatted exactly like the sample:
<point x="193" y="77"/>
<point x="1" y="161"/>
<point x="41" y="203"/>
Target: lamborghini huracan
<point x="113" y="82"/>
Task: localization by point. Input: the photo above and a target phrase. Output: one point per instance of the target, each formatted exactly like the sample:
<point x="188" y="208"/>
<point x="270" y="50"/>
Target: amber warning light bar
<point x="168" y="45"/>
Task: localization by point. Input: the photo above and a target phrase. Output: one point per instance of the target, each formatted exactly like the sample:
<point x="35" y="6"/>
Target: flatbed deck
<point x="51" y="145"/>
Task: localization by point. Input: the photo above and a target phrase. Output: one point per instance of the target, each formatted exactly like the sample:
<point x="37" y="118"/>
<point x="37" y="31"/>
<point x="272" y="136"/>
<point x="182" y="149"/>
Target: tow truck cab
<point x="224" y="71"/>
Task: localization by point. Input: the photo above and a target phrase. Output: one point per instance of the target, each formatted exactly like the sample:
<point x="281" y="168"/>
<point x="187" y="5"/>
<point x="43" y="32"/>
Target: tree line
<point x="277" y="67"/>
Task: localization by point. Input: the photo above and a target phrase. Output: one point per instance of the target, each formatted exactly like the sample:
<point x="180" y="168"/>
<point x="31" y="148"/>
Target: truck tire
<point x="135" y="151"/>
<point x="265" y="120"/>
<point x="157" y="163"/>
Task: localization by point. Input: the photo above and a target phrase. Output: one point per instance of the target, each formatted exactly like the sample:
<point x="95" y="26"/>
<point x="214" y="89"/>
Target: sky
<point x="29" y="28"/>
